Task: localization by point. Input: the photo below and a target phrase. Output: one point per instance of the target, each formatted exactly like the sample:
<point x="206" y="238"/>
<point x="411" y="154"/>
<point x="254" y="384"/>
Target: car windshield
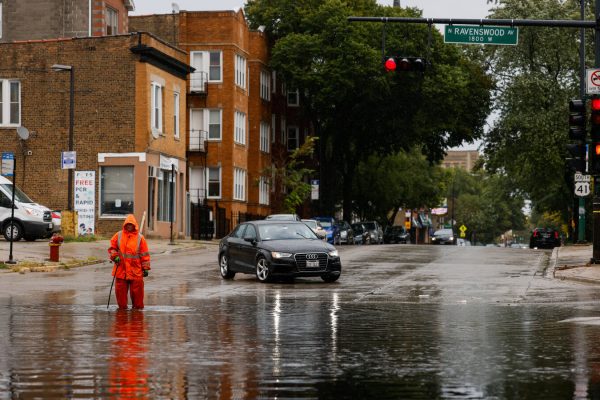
<point x="279" y="217"/>
<point x="325" y="224"/>
<point x="19" y="195"/>
<point x="357" y="228"/>
<point x="311" y="224"/>
<point x="285" y="232"/>
<point x="443" y="232"/>
<point x="369" y="225"/>
<point x="397" y="229"/>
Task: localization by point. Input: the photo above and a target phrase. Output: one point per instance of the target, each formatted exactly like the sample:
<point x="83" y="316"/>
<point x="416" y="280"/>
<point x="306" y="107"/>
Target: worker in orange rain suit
<point x="129" y="251"/>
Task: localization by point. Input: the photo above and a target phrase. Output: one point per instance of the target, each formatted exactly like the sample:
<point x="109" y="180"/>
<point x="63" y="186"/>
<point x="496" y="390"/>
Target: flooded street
<point x="410" y="322"/>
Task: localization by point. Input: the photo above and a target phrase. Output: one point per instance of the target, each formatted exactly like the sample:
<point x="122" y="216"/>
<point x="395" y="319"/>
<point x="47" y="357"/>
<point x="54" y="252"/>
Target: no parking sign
<point x="592" y="83"/>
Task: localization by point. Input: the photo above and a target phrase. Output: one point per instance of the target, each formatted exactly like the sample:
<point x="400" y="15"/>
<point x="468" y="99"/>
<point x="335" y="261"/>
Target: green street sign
<point x="472" y="34"/>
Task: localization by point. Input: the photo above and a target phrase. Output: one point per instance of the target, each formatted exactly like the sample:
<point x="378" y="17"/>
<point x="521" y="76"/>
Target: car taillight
<point x="55" y="215"/>
<point x="556" y="234"/>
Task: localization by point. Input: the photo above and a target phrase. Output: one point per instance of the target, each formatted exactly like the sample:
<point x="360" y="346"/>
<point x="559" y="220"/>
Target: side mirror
<point x="250" y="240"/>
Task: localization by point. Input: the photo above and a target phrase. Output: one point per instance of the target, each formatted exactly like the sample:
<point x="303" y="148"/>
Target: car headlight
<point x="333" y="253"/>
<point x="278" y="254"/>
<point x="343" y="234"/>
<point x="451" y="237"/>
<point x="33" y="211"/>
<point x="433" y="238"/>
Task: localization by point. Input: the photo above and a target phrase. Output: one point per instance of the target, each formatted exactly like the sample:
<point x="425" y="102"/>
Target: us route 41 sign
<point x="582" y="185"/>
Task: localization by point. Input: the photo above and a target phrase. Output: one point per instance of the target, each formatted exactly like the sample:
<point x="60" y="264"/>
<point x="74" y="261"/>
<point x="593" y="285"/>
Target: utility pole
<point x="596" y="200"/>
<point x="580" y="213"/>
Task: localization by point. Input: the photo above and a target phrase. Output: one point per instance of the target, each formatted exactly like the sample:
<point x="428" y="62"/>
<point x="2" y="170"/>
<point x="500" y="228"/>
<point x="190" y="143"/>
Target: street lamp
<point x="71" y="69"/>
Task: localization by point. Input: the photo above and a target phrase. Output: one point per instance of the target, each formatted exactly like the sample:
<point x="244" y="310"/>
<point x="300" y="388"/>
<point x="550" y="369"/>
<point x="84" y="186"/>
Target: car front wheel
<point x="14" y="230"/>
<point x="262" y="270"/>
<point x="226" y="273"/>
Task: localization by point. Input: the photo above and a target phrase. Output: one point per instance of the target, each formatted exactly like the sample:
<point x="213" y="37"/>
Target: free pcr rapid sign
<point x="471" y="34"/>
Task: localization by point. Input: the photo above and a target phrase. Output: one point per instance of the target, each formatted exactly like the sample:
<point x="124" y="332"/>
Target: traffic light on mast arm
<point x="595" y="136"/>
<point x="577" y="133"/>
<point x="404" y="64"/>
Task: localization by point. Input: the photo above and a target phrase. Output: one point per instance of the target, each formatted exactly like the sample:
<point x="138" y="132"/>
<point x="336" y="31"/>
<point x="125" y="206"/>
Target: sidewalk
<point x="34" y="256"/>
<point x="573" y="263"/>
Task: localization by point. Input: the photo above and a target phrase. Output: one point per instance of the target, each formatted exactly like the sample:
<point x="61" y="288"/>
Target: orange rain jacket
<point x="132" y="249"/>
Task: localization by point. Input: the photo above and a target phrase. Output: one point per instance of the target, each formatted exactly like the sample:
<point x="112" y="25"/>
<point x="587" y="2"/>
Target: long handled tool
<point x="111" y="286"/>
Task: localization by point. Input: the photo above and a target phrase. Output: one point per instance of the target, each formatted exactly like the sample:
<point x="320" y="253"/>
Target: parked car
<point x="328" y="223"/>
<point x="544" y="238"/>
<point x="396" y="234"/>
<point x="283" y="217"/>
<point x="361" y="234"/>
<point x="31" y="220"/>
<point x="277" y="248"/>
<point x="375" y="231"/>
<point x="344" y="233"/>
<point x="444" y="236"/>
<point x="56" y="220"/>
<point x="316" y="227"/>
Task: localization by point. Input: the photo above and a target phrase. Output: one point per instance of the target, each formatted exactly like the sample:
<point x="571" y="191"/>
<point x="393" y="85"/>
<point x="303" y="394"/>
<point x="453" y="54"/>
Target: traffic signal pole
<point x="580" y="214"/>
<point x="596" y="199"/>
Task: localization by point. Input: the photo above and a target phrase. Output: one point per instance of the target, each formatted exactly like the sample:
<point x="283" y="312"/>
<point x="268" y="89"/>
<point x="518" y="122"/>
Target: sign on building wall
<point x="8" y="164"/>
<point x="85" y="200"/>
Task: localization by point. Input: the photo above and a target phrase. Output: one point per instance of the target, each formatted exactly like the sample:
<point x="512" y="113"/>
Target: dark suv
<point x="396" y="234"/>
<point x="344" y="233"/>
<point x="544" y="238"/>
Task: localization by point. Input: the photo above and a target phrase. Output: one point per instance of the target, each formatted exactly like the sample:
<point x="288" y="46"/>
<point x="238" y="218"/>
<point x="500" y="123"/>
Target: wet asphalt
<point x="403" y="322"/>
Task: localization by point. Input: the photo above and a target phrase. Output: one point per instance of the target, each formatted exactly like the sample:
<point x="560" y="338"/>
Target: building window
<point x="214" y="124"/>
<point x="0" y="20"/>
<point x="116" y="190"/>
<point x="263" y="192"/>
<point x="214" y="182"/>
<point x="273" y="127"/>
<point x="283" y="130"/>
<point x="292" y="138"/>
<point x="112" y="21"/>
<point x="274" y="83"/>
<point x="240" y="71"/>
<point x="214" y="66"/>
<point x="165" y="202"/>
<point x="264" y="137"/>
<point x="239" y="184"/>
<point x="240" y="128"/>
<point x="208" y="64"/>
<point x="10" y="103"/>
<point x="156" y="114"/>
<point x="176" y="115"/>
<point x="293" y="98"/>
<point x="265" y="86"/>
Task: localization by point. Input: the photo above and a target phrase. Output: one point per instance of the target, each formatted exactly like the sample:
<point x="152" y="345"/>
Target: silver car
<point x="375" y="231"/>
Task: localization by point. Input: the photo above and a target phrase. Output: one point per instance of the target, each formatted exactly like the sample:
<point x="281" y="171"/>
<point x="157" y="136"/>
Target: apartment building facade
<point x="238" y="113"/>
<point x="128" y="130"/>
<point x="51" y="19"/>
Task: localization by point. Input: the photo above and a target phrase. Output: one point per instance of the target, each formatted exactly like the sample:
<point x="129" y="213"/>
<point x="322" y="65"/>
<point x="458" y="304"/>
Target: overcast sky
<point x="431" y="8"/>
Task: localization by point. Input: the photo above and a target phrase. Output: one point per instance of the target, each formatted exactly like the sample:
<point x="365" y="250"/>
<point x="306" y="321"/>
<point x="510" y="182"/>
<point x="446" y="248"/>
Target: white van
<point x="31" y="220"/>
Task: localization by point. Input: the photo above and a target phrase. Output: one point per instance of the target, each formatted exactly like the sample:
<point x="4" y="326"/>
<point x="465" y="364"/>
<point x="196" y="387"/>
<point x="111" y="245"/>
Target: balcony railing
<point x="197" y="140"/>
<point x="199" y="82"/>
<point x="198" y="196"/>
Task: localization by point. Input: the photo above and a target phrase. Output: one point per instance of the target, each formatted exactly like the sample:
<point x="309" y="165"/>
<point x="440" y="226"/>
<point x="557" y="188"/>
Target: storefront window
<point x="116" y="190"/>
<point x="165" y="202"/>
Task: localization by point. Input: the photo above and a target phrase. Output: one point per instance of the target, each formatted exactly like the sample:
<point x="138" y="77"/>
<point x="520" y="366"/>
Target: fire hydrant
<point x="55" y="241"/>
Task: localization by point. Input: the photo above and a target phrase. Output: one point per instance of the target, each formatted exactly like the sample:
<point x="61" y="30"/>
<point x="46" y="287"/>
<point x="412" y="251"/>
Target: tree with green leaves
<point x="534" y="82"/>
<point x="358" y="110"/>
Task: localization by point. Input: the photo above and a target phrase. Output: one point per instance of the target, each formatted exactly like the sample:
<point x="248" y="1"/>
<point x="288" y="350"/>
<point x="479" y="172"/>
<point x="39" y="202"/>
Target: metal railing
<point x="198" y="196"/>
<point x="197" y="141"/>
<point x="199" y="82"/>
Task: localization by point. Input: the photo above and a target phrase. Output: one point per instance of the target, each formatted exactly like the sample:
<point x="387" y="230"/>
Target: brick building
<point x="51" y="19"/>
<point x="238" y="112"/>
<point x="128" y="129"/>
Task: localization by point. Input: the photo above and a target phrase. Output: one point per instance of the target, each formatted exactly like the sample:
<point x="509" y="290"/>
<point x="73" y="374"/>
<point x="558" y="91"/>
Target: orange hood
<point x="130" y="219"/>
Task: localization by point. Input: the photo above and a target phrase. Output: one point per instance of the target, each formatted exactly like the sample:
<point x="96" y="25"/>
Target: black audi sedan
<point x="272" y="248"/>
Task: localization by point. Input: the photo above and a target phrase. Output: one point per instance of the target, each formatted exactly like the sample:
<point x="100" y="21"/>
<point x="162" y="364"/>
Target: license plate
<point x="50" y="225"/>
<point x="312" y="263"/>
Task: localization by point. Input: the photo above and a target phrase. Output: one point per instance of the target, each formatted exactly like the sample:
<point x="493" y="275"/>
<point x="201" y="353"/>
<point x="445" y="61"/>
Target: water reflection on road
<point x="297" y="341"/>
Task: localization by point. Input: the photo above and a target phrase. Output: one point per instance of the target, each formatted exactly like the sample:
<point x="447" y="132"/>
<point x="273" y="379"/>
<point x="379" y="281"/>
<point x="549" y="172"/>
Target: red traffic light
<point x="595" y="103"/>
<point x="390" y="64"/>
